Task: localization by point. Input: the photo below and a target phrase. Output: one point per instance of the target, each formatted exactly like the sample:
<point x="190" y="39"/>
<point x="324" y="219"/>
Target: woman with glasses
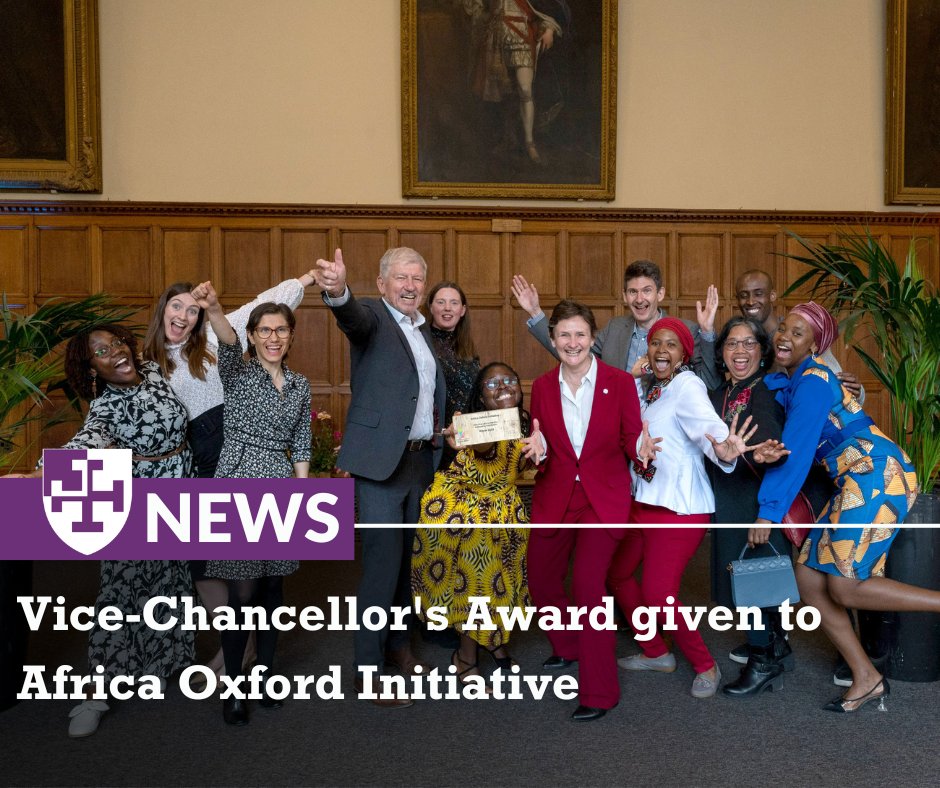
<point x="267" y="435"/>
<point x="130" y="406"/>
<point x="186" y="349"/>
<point x="452" y="564"/>
<point x="743" y="350"/>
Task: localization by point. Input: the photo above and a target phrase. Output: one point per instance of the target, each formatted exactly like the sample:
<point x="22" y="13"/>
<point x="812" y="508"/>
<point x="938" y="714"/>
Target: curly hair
<point x="78" y="358"/>
<point x="269" y="308"/>
<point x="760" y="334"/>
<point x="475" y="401"/>
<point x="195" y="351"/>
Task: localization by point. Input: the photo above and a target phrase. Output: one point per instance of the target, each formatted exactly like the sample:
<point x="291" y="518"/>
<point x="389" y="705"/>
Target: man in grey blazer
<point x="622" y="342"/>
<point x="391" y="444"/>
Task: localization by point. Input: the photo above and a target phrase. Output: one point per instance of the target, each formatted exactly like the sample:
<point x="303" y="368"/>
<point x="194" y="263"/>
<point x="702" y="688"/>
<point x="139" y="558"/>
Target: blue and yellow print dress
<point x="874" y="480"/>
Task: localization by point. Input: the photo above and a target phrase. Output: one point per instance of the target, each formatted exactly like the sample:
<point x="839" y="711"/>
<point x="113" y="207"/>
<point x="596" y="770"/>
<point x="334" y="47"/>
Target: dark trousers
<point x="205" y="441"/>
<point x="386" y="552"/>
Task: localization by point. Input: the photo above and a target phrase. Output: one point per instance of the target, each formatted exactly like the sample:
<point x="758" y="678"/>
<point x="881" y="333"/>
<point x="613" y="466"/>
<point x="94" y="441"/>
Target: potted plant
<point x="30" y="367"/>
<point x="324" y="444"/>
<point x="895" y="307"/>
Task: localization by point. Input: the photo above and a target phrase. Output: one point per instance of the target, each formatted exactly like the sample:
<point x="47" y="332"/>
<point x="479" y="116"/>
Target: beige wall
<point x="754" y="104"/>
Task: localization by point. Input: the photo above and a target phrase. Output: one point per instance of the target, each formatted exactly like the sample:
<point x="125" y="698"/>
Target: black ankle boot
<point x="782" y="652"/>
<point x="762" y="672"/>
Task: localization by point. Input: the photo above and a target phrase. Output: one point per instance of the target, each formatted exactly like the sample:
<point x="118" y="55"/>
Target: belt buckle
<point x="416" y="445"/>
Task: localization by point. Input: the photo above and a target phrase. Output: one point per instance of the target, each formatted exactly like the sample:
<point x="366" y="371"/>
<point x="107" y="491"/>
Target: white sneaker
<point x="704" y="687"/>
<point x="664" y="664"/>
<point x="84" y="718"/>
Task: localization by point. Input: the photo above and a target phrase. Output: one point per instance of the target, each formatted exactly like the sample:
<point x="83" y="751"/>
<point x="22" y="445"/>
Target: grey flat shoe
<point x="664" y="664"/>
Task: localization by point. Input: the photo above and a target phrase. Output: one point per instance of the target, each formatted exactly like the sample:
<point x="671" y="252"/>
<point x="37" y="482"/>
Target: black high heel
<point x="839" y="705"/>
<point x="505" y="663"/>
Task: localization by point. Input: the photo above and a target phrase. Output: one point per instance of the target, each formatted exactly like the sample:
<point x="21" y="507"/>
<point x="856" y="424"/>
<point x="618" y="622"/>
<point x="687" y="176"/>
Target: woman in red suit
<point x="586" y="430"/>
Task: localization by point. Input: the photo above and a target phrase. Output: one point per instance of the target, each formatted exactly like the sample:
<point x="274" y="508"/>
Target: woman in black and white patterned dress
<point x="131" y="407"/>
<point x="267" y="435"/>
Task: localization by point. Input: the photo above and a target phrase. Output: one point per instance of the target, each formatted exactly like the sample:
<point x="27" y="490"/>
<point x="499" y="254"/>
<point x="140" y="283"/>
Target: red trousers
<point x="549" y="553"/>
<point x="664" y="554"/>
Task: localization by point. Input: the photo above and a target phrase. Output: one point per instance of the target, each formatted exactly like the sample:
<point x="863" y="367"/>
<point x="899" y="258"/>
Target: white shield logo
<point x="87" y="495"/>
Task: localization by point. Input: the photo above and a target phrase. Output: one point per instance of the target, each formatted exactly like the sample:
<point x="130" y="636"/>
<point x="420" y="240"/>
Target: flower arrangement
<point x="324" y="442"/>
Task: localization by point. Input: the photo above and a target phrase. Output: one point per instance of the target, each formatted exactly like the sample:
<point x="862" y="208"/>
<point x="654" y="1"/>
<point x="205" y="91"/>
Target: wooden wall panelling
<point x="14" y="264"/>
<point x="63" y="260"/>
<point x="186" y="255"/>
<point x="591" y="269"/>
<point x="126" y="261"/>
<point x="478" y="264"/>
<point x="249" y="265"/>
<point x="135" y="249"/>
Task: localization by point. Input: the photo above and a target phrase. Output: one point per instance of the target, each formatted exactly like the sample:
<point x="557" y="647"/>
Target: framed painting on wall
<point x="49" y="128"/>
<point x="509" y="98"/>
<point x="912" y="134"/>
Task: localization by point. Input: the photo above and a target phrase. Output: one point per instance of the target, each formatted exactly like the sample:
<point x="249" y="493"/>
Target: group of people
<point x="619" y="433"/>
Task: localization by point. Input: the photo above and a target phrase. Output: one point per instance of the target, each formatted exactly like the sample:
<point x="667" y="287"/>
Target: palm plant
<point x="30" y="367"/>
<point x="859" y="279"/>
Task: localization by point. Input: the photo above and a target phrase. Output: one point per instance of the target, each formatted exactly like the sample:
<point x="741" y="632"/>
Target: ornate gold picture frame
<point x="50" y="138"/>
<point x="509" y="98"/>
<point x="912" y="134"/>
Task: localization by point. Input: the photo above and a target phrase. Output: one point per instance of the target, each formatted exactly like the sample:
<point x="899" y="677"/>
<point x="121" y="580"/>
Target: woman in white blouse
<point x="673" y="489"/>
<point x="183" y="344"/>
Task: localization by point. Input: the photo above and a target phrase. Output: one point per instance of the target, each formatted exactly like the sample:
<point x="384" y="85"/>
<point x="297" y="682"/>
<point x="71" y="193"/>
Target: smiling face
<point x="446" y="309"/>
<point x="643" y="299"/>
<point x="794" y="342"/>
<point x="756" y="296"/>
<point x="503" y="395"/>
<point x="272" y="348"/>
<point x="665" y="353"/>
<point x="114" y="365"/>
<point x="572" y="339"/>
<point x="741" y="360"/>
<point x="179" y="318"/>
<point x="403" y="287"/>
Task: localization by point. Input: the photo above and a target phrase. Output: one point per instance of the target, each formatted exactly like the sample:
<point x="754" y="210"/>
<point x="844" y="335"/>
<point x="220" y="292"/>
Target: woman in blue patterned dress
<point x="874" y="485"/>
<point x="267" y="436"/>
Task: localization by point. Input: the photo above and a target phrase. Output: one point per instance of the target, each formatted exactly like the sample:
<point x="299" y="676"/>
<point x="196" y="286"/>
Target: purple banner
<point x="87" y="506"/>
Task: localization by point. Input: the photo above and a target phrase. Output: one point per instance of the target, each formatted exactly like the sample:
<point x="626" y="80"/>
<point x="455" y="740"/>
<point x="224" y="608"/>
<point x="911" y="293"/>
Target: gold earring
<point x="94" y="384"/>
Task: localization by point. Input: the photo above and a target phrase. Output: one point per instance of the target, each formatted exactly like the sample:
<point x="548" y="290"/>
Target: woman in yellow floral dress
<point x="456" y="562"/>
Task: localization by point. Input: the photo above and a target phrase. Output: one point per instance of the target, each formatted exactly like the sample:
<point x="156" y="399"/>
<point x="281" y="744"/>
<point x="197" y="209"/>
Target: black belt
<point x="418" y="445"/>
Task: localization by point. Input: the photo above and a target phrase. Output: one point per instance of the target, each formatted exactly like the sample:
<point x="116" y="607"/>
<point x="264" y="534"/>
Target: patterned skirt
<point x="858" y="553"/>
<point x="135" y="649"/>
<point x="450" y="565"/>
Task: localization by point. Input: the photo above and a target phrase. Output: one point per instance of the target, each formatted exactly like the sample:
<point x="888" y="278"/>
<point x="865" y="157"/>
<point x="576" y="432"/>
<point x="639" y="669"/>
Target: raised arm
<point x="206" y="297"/>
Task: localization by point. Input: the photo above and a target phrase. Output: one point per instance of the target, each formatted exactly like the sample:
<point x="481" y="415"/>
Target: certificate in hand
<point x="486" y="426"/>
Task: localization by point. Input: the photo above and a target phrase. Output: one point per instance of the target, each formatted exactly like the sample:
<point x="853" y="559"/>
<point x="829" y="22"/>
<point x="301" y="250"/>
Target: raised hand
<point x="205" y="296"/>
<point x="641" y="367"/>
<point x="705" y="316"/>
<point x="331" y="274"/>
<point x="736" y="442"/>
<point x="649" y="446"/>
<point x="526" y="295"/>
<point x="534" y="445"/>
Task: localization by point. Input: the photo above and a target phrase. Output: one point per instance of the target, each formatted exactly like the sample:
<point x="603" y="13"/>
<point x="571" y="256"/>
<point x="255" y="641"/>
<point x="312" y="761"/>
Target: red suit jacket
<point x="609" y="445"/>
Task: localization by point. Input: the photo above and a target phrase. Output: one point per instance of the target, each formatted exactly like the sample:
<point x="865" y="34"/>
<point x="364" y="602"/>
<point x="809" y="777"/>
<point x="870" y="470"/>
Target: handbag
<point x="763" y="582"/>
<point x="800" y="512"/>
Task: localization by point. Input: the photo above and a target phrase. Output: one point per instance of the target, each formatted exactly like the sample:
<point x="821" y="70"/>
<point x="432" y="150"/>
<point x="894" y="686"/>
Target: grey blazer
<point x="384" y="384"/>
<point x="613" y="343"/>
